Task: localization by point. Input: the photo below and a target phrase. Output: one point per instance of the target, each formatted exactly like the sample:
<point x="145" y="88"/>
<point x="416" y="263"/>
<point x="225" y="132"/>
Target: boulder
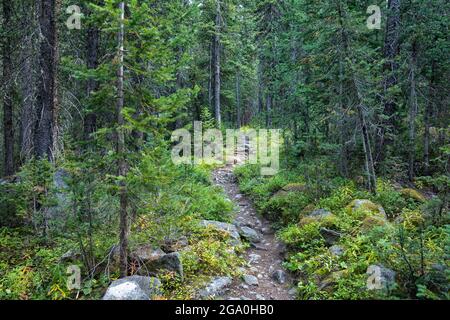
<point x="289" y="188"/>
<point x="330" y="236"/>
<point x="250" y="280"/>
<point x="279" y="276"/>
<point x="336" y="251"/>
<point x="70" y="256"/>
<point x="371" y="222"/>
<point x="225" y="227"/>
<point x="147" y="254"/>
<point x="215" y="288"/>
<point x="294" y="187"/>
<point x="134" y="288"/>
<point x="413" y="194"/>
<point x="329" y="282"/>
<point x="380" y="277"/>
<point x="317" y="216"/>
<point x="279" y="194"/>
<point x="153" y="260"/>
<point x="250" y="234"/>
<point x="367" y="207"/>
<point x="174" y="245"/>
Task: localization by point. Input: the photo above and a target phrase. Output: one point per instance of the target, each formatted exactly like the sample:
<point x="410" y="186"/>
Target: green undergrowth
<point x="413" y="240"/>
<point x="167" y="203"/>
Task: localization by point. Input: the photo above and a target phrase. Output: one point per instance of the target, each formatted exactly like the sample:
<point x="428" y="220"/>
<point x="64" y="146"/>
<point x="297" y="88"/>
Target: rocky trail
<point x="264" y="277"/>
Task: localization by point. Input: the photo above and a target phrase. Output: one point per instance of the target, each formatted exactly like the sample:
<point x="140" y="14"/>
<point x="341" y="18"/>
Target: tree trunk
<point x="390" y="52"/>
<point x="369" y="162"/>
<point x="342" y="123"/>
<point x="269" y="110"/>
<point x="238" y="100"/>
<point x="27" y="80"/>
<point x="427" y="119"/>
<point x="90" y="121"/>
<point x="122" y="165"/>
<point x="412" y="111"/>
<point x="217" y="66"/>
<point x="260" y="86"/>
<point x="46" y="103"/>
<point x="8" y="127"/>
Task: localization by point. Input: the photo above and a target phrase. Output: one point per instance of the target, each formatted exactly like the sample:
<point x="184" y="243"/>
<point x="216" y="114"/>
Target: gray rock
<point x="260" y="297"/>
<point x="254" y="258"/>
<point x="336" y="251"/>
<point x="258" y="247"/>
<point x="279" y="276"/>
<point x="292" y="292"/>
<point x="320" y="213"/>
<point x="148" y="254"/>
<point x="70" y="256"/>
<point x="152" y="260"/>
<point x="134" y="288"/>
<point x="222" y="226"/>
<point x="330" y="236"/>
<point x="358" y="203"/>
<point x="267" y="230"/>
<point x="380" y="277"/>
<point x="250" y="234"/>
<point x="172" y="262"/>
<point x="215" y="288"/>
<point x="174" y="245"/>
<point x="250" y="280"/>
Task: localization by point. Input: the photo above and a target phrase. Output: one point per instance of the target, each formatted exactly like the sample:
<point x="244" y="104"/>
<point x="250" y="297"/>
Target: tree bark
<point x="260" y="85"/>
<point x="427" y="119"/>
<point x="390" y="52"/>
<point x="8" y="127"/>
<point x="122" y="165"/>
<point x="238" y="99"/>
<point x="27" y="79"/>
<point x="412" y="112"/>
<point x="369" y="161"/>
<point x="47" y="102"/>
<point x="90" y="121"/>
<point x="216" y="55"/>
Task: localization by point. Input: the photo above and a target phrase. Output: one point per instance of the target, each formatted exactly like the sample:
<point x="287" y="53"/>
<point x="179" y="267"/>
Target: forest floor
<point x="263" y="258"/>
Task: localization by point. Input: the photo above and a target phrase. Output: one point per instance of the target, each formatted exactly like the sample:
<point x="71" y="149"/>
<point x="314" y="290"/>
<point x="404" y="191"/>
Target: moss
<point x="371" y="222"/>
<point x="327" y="221"/>
<point x="307" y="210"/>
<point x="413" y="194"/>
<point x="330" y="281"/>
<point x="295" y="187"/>
<point x="279" y="194"/>
<point x="364" y="208"/>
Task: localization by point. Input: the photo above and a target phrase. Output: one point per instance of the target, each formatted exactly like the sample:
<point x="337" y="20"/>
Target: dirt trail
<point x="264" y="258"/>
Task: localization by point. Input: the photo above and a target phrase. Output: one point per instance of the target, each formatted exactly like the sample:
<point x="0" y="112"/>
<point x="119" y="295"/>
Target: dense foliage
<point x="88" y="114"/>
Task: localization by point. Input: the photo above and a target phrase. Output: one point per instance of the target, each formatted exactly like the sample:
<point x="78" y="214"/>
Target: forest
<point x="342" y="106"/>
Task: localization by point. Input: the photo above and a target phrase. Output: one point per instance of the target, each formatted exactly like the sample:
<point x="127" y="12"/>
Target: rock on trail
<point x="264" y="277"/>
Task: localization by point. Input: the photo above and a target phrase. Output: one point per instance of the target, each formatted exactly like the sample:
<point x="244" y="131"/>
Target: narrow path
<point x="264" y="258"/>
